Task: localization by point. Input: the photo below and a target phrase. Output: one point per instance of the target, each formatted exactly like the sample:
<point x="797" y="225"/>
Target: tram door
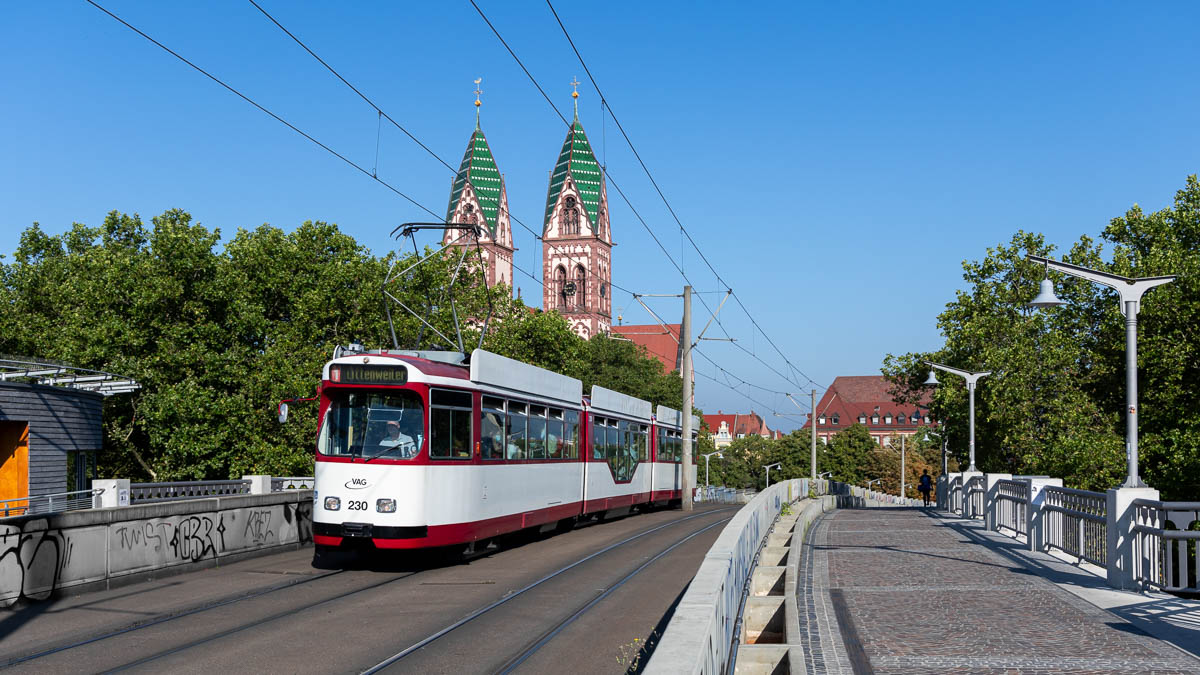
<point x="14" y="465"/>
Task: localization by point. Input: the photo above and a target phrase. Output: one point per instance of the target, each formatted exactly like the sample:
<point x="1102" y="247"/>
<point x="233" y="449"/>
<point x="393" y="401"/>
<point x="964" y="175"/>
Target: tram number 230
<point x="356" y="506"/>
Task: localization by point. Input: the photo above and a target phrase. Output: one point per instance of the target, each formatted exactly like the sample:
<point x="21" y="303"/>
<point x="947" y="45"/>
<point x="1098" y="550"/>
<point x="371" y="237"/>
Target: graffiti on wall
<point x="32" y="557"/>
<point x="37" y="559"/>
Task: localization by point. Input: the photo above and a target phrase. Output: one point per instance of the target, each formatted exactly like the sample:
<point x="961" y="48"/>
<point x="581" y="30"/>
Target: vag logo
<point x="357" y="483"/>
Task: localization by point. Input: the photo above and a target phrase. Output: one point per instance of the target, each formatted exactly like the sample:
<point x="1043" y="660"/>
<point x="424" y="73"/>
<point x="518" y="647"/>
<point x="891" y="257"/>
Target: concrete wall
<point x="101" y="548"/>
<point x="61" y="420"/>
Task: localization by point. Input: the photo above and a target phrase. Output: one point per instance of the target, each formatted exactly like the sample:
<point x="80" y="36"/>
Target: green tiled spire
<point x="479" y="167"/>
<point x="577" y="160"/>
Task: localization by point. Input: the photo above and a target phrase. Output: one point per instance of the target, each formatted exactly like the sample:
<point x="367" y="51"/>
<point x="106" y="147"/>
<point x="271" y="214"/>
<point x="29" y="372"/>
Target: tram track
<point x="548" y="635"/>
<point x="320" y="585"/>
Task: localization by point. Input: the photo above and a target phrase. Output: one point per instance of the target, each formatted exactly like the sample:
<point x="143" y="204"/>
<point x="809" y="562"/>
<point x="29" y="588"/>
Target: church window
<point x="580" y="287"/>
<point x="560" y="285"/>
<point x="570" y="216"/>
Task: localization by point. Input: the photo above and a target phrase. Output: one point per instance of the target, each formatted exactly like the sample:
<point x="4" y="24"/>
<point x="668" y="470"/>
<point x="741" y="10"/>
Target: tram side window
<point x="449" y="424"/>
<point x="517" y="432"/>
<point x="643" y="443"/>
<point x="554" y="435"/>
<point x="599" y="438"/>
<point x="537" y="432"/>
<point x="491" y="430"/>
<point x="571" y="451"/>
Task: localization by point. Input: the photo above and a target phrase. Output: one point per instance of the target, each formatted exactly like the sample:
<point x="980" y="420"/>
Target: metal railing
<point x="955" y="494"/>
<point x="292" y="483"/>
<point x="1165" y="544"/>
<point x="1077" y="523"/>
<point x="55" y="503"/>
<point x="149" y="493"/>
<point x="975" y="492"/>
<point x="1012" y="506"/>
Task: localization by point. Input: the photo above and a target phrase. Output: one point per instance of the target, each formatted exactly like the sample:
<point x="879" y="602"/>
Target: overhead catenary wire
<point x="662" y="196"/>
<point x="372" y="174"/>
<point x="384" y="115"/>
<point x="629" y="203"/>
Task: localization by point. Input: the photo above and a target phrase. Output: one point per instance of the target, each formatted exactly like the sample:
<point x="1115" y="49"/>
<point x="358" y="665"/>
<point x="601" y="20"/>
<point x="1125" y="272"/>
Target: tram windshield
<point x="373" y="425"/>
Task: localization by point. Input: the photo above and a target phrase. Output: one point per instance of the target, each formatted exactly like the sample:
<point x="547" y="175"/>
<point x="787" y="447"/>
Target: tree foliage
<point x="218" y="334"/>
<point x="1055" y="402"/>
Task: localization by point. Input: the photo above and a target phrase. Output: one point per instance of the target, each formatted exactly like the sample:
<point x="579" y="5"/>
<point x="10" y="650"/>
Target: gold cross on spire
<point x="575" y="95"/>
<point x="478" y="103"/>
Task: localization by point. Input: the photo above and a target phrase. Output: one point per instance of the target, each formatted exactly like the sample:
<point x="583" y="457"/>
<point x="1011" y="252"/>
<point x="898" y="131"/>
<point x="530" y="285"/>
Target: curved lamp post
<point x="971" y="379"/>
<point x="718" y="454"/>
<point x="1131" y="291"/>
<point x="768" y="467"/>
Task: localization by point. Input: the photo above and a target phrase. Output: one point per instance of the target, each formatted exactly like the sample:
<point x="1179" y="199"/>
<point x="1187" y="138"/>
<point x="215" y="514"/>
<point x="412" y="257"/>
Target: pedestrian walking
<point x="925" y="486"/>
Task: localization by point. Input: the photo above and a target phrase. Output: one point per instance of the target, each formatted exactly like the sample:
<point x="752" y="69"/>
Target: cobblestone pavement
<point x="922" y="598"/>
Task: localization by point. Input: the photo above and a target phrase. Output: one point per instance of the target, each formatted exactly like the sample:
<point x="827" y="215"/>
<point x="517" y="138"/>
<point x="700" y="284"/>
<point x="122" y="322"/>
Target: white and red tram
<point x="419" y="449"/>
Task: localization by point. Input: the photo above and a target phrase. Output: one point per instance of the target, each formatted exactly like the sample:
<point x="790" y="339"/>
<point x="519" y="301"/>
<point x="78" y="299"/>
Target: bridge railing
<point x="1012" y="506"/>
<point x="1141" y="542"/>
<point x="150" y="493"/>
<point x="955" y="494"/>
<point x="55" y="503"/>
<point x="974" y="497"/>
<point x="1077" y="523"/>
<point x="1165" y="544"/>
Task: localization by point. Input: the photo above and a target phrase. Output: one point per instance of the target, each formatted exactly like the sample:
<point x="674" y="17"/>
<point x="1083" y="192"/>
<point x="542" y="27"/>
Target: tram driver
<point x="401" y="444"/>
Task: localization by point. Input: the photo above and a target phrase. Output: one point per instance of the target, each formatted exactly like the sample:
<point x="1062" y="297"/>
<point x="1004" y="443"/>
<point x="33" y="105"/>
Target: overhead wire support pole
<point x="813" y="421"/>
<point x="685" y="341"/>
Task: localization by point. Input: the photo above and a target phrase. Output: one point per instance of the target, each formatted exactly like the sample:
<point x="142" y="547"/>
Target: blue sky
<point x="836" y="163"/>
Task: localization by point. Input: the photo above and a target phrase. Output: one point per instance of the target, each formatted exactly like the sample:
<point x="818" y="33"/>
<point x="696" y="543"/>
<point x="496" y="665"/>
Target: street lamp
<point x="825" y="473"/>
<point x="876" y="480"/>
<point x="768" y="467"/>
<point x="971" y="379"/>
<point x="718" y="454"/>
<point x="1131" y="291"/>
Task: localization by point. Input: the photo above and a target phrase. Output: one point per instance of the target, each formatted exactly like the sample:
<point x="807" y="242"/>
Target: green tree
<point x="1054" y="403"/>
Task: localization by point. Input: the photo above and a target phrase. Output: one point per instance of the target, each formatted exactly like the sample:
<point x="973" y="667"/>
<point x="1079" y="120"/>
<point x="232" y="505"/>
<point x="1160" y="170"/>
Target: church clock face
<point x="569" y="289"/>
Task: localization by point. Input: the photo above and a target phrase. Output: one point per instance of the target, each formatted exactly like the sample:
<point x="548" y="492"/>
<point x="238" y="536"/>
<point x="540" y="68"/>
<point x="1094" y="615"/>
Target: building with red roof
<point x="727" y="428"/>
<point x="864" y="399"/>
<point x="660" y="340"/>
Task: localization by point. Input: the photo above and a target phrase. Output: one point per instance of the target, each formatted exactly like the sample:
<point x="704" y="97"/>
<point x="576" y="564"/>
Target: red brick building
<point x="864" y="399"/>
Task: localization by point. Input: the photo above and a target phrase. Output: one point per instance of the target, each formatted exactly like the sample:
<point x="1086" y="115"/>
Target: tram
<point x="422" y="449"/>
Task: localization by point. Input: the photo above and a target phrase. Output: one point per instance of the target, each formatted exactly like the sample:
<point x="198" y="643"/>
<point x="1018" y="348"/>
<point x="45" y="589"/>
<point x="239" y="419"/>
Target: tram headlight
<point x="385" y="505"/>
<point x="332" y="503"/>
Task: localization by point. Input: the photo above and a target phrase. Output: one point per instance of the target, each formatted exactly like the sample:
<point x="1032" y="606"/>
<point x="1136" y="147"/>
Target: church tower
<point x="478" y="196"/>
<point x="576" y="240"/>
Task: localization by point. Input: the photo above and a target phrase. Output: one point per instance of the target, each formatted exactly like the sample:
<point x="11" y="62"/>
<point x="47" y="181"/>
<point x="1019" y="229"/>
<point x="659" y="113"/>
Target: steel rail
<point x="551" y="634"/>
<point x="171" y="617"/>
<point x="487" y="608"/>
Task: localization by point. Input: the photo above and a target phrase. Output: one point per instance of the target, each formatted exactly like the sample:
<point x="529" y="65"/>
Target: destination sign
<point x="352" y="373"/>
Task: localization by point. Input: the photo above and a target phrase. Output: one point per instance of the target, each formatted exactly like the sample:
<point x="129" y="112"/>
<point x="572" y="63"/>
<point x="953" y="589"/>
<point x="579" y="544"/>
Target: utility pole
<point x="902" y="437"/>
<point x="685" y="342"/>
<point x="813" y="419"/>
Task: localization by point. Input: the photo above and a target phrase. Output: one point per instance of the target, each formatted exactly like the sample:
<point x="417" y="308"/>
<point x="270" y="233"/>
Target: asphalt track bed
<point x="276" y="613"/>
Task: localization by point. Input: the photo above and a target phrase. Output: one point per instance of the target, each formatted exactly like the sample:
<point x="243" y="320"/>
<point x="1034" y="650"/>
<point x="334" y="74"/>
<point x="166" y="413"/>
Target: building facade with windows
<point x="726" y="429"/>
<point x="864" y="399"/>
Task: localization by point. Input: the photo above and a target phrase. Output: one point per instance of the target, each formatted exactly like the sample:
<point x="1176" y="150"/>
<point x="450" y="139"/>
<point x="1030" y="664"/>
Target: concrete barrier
<point x="102" y="548"/>
<point x="699" y="636"/>
<point x="699" y="639"/>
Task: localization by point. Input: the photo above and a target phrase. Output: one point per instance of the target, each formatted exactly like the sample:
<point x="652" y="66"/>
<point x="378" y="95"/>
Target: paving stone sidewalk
<point x="903" y="591"/>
